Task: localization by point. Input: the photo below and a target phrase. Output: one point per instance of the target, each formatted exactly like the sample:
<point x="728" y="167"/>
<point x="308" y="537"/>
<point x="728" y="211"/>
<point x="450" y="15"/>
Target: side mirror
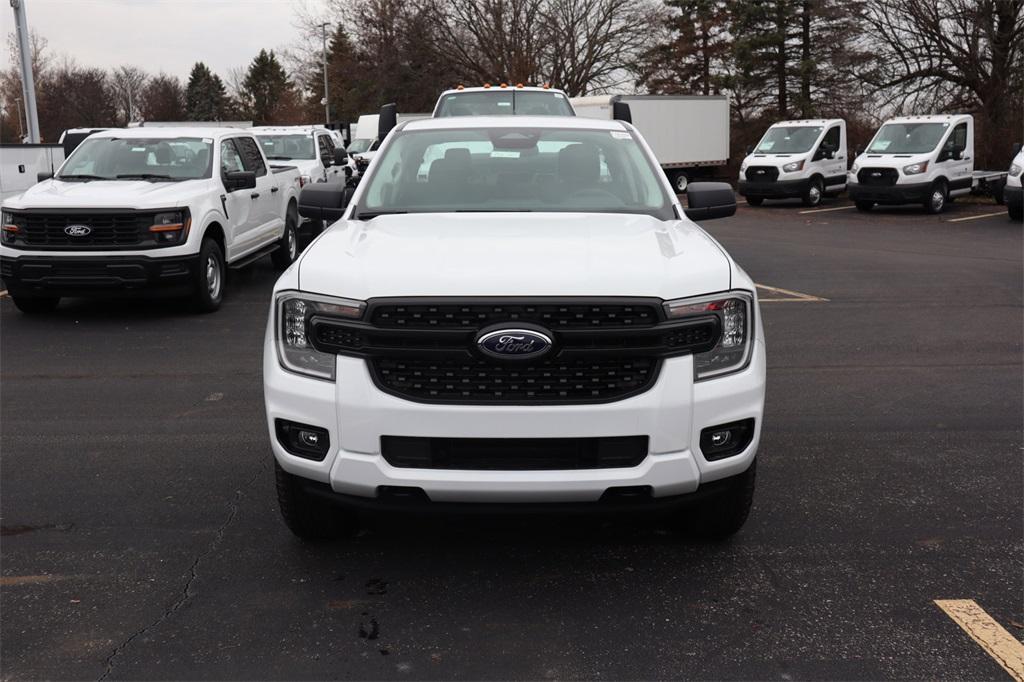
<point x="621" y="112"/>
<point x="46" y="176"/>
<point x="1015" y="149"/>
<point x="857" y="152"/>
<point x="387" y="120"/>
<point x="750" y="149"/>
<point x="236" y="180"/>
<point x="340" y="156"/>
<point x="325" y="200"/>
<point x="710" y="200"/>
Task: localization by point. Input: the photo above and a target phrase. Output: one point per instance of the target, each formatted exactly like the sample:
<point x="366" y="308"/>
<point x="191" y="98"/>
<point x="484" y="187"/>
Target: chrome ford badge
<point x="77" y="230"/>
<point x="514" y="344"/>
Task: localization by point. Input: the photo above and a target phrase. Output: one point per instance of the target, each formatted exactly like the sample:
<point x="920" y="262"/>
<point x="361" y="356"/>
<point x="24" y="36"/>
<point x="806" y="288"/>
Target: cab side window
<point x="326" y="146"/>
<point x="958" y="140"/>
<point x="230" y="159"/>
<point x="251" y="156"/>
<point x="831" y="141"/>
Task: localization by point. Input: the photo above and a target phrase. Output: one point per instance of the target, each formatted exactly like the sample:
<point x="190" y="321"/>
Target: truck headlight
<point x="793" y="166"/>
<point x="293" y="312"/>
<point x="171" y="227"/>
<point x="11" y="226"/>
<point x="915" y="168"/>
<point x="854" y="168"/>
<point x="735" y="312"/>
<point x="1015" y="170"/>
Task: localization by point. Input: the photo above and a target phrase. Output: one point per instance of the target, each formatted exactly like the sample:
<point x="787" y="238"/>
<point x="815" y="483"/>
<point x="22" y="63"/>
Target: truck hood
<point x="139" y="194"/>
<point x="514" y="254"/>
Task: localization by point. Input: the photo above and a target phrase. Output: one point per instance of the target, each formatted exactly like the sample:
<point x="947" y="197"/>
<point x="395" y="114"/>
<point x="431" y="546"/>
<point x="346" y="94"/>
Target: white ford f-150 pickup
<point x="514" y="312"/>
<point x="155" y="210"/>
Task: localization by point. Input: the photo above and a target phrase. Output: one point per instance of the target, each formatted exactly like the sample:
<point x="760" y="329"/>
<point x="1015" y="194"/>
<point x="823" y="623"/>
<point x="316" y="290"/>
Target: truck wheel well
<point x="293" y="207"/>
<point x="215" y="232"/>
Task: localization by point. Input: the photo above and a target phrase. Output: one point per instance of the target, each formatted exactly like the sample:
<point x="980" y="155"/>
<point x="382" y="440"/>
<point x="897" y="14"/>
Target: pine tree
<point x="690" y="62"/>
<point x="205" y="96"/>
<point x="266" y="88"/>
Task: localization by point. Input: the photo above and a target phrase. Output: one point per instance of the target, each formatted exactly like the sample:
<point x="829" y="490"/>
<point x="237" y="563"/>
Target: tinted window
<point x="832" y="138"/>
<point x="251" y="156"/>
<point x="230" y="159"/>
<point x="516" y="169"/>
<point x="326" y="147"/>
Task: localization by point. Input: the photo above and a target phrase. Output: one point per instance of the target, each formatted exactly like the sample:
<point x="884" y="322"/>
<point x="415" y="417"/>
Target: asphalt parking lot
<point x="141" y="538"/>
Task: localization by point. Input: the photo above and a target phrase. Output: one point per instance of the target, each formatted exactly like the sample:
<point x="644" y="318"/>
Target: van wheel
<point x="309" y="517"/>
<point x="755" y="201"/>
<point x="812" y="195"/>
<point x="999" y="193"/>
<point x="288" y="247"/>
<point x="209" y="285"/>
<point x="35" y="305"/>
<point x="1016" y="213"/>
<point x="723" y="515"/>
<point x="936" y="201"/>
<point x="864" y="206"/>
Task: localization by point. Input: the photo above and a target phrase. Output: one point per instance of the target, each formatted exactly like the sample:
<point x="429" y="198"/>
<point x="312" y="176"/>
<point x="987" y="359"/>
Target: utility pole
<point x="28" y="84"/>
<point x="327" y="104"/>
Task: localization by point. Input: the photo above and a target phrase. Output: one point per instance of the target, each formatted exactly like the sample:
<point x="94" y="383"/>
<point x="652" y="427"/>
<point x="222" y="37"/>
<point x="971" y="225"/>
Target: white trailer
<point x="689" y="135"/>
<point x="22" y="164"/>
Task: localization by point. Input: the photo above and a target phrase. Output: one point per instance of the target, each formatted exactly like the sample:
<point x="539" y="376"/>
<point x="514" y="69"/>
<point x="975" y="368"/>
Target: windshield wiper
<point x="145" y="176"/>
<point x="280" y="158"/>
<point x="491" y="210"/>
<point x="374" y="214"/>
<point x="83" y="177"/>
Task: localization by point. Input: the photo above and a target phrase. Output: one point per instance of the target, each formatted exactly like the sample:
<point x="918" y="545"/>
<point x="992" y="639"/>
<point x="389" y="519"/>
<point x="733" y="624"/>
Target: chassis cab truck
<point x="921" y="159"/>
<point x="1012" y="191"/>
<point x="796" y="159"/>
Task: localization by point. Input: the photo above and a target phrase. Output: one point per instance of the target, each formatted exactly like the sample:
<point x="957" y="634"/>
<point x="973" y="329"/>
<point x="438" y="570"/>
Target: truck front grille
<point x="106" y="230"/>
<point x="551" y="315"/>
<point x="878" y="177"/>
<point x="762" y="173"/>
<point x="514" y="454"/>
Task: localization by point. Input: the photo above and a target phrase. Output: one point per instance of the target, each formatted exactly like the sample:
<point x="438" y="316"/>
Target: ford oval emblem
<point x="77" y="230"/>
<point x="514" y="344"/>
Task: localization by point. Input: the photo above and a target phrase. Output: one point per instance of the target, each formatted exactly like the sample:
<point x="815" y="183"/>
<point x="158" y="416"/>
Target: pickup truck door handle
<point x="254" y="195"/>
<point x="274" y="189"/>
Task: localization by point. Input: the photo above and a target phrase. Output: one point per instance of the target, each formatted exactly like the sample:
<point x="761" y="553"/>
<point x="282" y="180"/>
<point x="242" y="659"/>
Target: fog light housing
<point x="726" y="440"/>
<point x="302" y="440"/>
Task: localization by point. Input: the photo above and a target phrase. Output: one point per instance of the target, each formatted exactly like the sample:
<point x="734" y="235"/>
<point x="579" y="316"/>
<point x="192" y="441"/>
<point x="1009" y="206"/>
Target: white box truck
<point x="689" y="135"/>
<point x="364" y="140"/>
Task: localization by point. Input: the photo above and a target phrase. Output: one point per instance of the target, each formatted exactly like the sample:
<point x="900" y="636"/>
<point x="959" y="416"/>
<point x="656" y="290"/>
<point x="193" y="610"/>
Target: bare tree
<point x="126" y="85"/>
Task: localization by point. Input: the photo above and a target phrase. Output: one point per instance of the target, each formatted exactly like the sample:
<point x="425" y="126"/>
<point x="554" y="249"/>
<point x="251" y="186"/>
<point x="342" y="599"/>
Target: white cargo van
<point x="805" y="159"/>
<point x="921" y="159"/>
<point x="689" y="135"/>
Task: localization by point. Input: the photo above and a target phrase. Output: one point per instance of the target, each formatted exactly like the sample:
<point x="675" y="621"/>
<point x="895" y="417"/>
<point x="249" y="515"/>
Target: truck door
<point x="238" y="204"/>
<point x="267" y="198"/>
<point x="831" y="159"/>
<point x="959" y="171"/>
<point x="325" y="149"/>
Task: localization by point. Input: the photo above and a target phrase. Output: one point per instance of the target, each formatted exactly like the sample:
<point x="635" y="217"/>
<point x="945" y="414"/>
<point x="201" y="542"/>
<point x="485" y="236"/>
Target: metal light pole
<point x="327" y="102"/>
<point x="28" y="84"/>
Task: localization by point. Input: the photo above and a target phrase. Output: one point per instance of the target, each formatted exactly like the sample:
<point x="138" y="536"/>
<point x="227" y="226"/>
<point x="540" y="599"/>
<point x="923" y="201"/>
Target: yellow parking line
<point x="826" y="210"/>
<point x="3" y="293"/>
<point x="990" y="635"/>
<point x="792" y="295"/>
<point x="975" y="217"/>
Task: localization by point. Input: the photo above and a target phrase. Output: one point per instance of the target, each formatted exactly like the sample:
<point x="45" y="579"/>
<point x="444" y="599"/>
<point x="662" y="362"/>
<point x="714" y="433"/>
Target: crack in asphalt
<point x="186" y="591"/>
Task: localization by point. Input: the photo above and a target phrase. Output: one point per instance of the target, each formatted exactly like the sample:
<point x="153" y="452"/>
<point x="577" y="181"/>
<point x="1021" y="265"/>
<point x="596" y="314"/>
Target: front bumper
<point x="780" y="189"/>
<point x="891" y="194"/>
<point x="98" y="275"/>
<point x="357" y="414"/>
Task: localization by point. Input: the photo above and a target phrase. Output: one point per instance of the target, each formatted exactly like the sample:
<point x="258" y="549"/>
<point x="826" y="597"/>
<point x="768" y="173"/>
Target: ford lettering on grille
<point x="514" y="344"/>
<point x="77" y="230"/>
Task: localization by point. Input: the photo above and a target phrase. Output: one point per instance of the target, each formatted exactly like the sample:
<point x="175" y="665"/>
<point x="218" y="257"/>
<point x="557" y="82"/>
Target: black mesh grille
<point x="550" y="315"/>
<point x="514" y="454"/>
<point x="107" y="230"/>
<point x="879" y="177"/>
<point x="597" y="379"/>
<point x="762" y="173"/>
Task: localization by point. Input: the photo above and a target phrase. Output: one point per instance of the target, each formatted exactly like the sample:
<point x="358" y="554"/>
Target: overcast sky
<point x="159" y="35"/>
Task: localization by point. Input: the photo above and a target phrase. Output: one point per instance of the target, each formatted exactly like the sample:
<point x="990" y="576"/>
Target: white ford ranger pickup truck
<point x="150" y="211"/>
<point x="514" y="312"/>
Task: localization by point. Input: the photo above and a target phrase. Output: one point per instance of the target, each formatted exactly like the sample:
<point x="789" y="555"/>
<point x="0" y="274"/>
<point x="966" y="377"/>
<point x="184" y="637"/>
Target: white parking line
<point x="826" y="210"/>
<point x="3" y="293"/>
<point x="975" y="217"/>
<point x="789" y="296"/>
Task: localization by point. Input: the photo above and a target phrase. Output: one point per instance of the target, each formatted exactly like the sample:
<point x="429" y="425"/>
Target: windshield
<point x="359" y="146"/>
<point x="907" y="138"/>
<point x="155" y="159"/>
<point x="287" y="147"/>
<point x="498" y="102"/>
<point x="788" y="139"/>
<point x="515" y="169"/>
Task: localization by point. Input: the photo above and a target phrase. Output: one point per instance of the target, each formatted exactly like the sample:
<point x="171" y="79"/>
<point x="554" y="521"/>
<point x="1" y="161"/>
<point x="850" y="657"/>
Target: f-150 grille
<point x="551" y="315"/>
<point x="762" y="173"/>
<point x="578" y="380"/>
<point x="879" y="177"/>
<point x="113" y="230"/>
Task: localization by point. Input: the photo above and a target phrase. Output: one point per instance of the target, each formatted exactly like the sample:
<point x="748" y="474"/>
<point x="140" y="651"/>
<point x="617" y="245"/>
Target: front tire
<point x="309" y="517"/>
<point x="755" y="201"/>
<point x="864" y="206"/>
<point x="812" y="195"/>
<point x="1016" y="212"/>
<point x="209" y="286"/>
<point x="288" y="246"/>
<point x="937" y="198"/>
<point x="722" y="516"/>
<point x="35" y="305"/>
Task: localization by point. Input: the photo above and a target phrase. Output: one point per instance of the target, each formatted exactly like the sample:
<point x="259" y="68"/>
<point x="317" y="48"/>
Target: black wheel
<point x="308" y="517"/>
<point x="864" y="205"/>
<point x="680" y="181"/>
<point x="937" y="197"/>
<point x="288" y="247"/>
<point x="1016" y="212"/>
<point x="812" y="195"/>
<point x="209" y="285"/>
<point x="35" y="305"/>
<point x="723" y="515"/>
<point x="755" y="201"/>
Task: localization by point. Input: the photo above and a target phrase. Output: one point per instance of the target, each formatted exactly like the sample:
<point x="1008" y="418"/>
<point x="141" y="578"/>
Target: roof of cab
<point x="455" y="122"/>
<point x="499" y="88"/>
<point x="169" y="132"/>
<point x="808" y="122"/>
<point x="938" y="118"/>
<point x="287" y="129"/>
